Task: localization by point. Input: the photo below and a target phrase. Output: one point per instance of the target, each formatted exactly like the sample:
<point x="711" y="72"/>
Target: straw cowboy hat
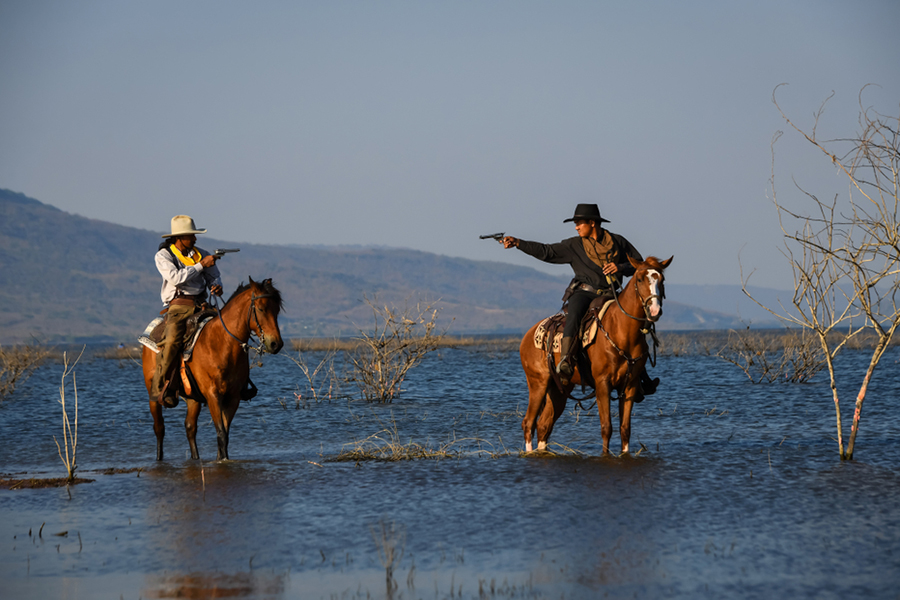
<point x="183" y="225"/>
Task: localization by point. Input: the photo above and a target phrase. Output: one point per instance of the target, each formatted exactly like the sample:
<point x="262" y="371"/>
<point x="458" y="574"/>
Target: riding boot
<point x="564" y="369"/>
<point x="164" y="394"/>
<point x="648" y="386"/>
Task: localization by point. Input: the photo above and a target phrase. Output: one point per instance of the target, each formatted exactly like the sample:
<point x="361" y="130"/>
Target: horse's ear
<point x="634" y="263"/>
<point x="665" y="264"/>
<point x="251" y="280"/>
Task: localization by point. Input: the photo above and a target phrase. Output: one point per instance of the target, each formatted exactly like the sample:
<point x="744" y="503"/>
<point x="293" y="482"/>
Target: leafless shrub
<point x="767" y="357"/>
<point x="17" y="363"/>
<point x="322" y="380"/>
<point x="70" y="434"/>
<point x="398" y="341"/>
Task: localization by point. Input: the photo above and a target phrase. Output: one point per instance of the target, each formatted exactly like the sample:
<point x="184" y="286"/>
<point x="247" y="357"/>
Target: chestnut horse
<point x="617" y="356"/>
<point x="220" y="363"/>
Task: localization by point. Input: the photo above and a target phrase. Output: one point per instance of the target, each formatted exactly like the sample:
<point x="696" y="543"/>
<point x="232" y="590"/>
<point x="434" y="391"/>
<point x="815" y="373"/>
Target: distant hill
<point x="68" y="278"/>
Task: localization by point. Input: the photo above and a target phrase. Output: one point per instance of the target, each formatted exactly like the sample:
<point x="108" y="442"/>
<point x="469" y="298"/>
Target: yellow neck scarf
<point x="188" y="261"/>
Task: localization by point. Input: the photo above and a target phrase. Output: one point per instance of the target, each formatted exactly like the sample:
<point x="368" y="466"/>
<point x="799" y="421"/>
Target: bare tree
<point x="399" y="340"/>
<point x="845" y="252"/>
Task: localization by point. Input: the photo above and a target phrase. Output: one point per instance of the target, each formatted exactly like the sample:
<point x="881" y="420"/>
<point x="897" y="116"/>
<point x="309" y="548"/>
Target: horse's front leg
<point x="625" y="406"/>
<point x="215" y="411"/>
<point x="603" y="410"/>
<point x="159" y="427"/>
<point x="190" y="426"/>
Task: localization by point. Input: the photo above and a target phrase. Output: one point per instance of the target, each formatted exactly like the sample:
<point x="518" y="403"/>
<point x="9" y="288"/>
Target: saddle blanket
<point x="153" y="335"/>
<point x="588" y="334"/>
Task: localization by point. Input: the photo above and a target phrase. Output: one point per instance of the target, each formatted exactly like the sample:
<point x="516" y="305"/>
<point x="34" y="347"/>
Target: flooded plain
<point x="731" y="490"/>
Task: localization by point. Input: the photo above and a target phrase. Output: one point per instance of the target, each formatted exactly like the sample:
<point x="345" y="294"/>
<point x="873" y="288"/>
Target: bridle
<point x="252" y="312"/>
<point x="648" y="329"/>
<point x="645" y="302"/>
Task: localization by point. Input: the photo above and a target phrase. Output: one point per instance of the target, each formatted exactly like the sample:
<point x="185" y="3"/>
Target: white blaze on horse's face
<point x="655" y="304"/>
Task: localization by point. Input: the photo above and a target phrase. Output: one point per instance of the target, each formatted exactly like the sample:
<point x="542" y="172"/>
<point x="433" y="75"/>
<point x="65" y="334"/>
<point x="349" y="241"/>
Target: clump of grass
<point x="387" y="446"/>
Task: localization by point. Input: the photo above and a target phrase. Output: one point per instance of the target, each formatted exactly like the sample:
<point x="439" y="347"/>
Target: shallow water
<point x="731" y="489"/>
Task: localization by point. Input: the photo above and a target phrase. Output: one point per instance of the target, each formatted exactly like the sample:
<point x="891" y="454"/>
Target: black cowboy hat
<point x="587" y="212"/>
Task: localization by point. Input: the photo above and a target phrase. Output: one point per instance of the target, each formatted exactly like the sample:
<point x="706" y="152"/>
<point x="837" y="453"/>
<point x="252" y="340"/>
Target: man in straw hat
<point x="599" y="259"/>
<point x="187" y="273"/>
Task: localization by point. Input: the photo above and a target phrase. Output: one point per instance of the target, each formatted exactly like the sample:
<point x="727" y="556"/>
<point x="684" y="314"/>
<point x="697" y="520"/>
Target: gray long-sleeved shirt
<point x="189" y="280"/>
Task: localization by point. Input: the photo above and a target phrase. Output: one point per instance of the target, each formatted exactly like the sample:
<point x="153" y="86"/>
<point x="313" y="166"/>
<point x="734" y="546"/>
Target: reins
<point x="650" y="329"/>
<point x="251" y="310"/>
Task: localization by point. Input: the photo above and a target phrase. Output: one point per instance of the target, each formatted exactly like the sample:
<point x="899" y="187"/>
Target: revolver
<point x="220" y="252"/>
<point x="492" y="236"/>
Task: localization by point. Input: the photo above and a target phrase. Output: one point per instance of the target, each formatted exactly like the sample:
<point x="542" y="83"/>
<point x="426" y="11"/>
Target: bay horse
<point x="617" y="357"/>
<point x="220" y="363"/>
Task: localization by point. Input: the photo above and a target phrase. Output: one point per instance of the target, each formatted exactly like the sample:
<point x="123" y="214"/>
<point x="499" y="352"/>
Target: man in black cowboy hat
<point x="600" y="261"/>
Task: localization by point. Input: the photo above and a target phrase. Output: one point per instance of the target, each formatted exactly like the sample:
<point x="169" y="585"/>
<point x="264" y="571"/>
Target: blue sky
<point x="425" y="124"/>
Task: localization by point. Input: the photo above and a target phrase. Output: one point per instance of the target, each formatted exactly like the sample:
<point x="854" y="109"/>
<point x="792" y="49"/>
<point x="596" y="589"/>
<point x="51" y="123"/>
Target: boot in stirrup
<point x="564" y="369"/>
<point x="648" y="386"/>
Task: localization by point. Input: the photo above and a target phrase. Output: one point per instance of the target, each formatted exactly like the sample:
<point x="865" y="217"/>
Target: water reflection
<point x="215" y="585"/>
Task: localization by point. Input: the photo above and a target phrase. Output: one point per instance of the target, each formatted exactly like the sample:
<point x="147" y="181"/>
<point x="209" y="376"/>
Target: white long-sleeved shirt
<point x="190" y="280"/>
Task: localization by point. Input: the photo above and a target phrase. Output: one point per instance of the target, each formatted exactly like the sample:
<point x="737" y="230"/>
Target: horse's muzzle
<point x="653" y="308"/>
<point x="274" y="345"/>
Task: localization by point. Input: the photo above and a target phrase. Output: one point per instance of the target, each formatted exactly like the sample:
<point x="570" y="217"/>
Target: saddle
<point x="549" y="332"/>
<point x="153" y="334"/>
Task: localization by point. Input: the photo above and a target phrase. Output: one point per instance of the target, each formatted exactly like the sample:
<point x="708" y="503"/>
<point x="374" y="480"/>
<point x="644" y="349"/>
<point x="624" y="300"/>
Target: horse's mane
<point x="266" y="287"/>
<point x="653" y="263"/>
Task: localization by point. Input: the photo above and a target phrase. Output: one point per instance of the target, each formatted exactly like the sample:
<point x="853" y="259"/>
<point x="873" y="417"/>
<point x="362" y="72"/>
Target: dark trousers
<point x="579" y="302"/>
<point x="172" y="344"/>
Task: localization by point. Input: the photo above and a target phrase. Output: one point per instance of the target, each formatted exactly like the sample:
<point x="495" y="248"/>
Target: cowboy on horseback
<point x="599" y="259"/>
<point x="187" y="273"/>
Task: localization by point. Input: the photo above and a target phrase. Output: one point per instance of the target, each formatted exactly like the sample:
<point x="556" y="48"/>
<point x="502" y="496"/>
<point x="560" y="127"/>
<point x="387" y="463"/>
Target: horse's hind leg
<point x="159" y="427"/>
<point x="537" y="392"/>
<point x="190" y="426"/>
<point x="551" y="413"/>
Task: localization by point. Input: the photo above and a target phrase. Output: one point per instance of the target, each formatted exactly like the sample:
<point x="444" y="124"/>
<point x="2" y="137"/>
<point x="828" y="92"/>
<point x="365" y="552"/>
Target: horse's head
<point x="649" y="282"/>
<point x="265" y="304"/>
